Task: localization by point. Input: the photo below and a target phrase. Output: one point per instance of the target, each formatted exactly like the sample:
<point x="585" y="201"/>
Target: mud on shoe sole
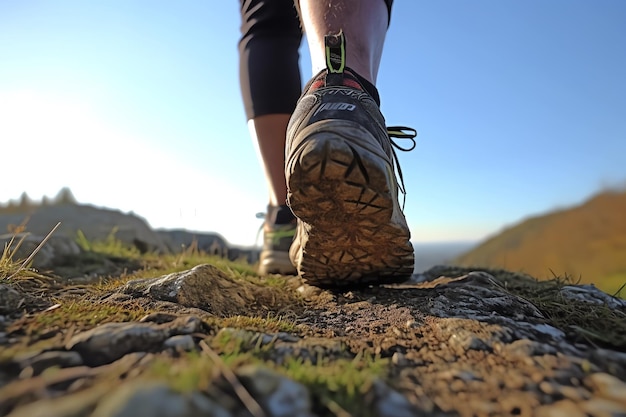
<point x="351" y="229"/>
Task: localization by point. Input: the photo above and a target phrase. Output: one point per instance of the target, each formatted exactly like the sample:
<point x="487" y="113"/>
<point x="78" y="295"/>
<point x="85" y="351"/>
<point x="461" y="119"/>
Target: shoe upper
<point x="341" y="97"/>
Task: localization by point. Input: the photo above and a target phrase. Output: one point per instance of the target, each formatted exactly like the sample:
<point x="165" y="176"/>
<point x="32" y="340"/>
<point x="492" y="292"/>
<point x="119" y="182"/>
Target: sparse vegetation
<point x="13" y="268"/>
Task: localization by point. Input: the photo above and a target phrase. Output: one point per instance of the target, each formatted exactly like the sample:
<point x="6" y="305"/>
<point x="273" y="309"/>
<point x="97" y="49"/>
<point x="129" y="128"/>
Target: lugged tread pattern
<point x="351" y="231"/>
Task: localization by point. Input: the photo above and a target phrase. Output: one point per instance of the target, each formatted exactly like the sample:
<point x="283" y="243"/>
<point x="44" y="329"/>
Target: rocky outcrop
<point x="95" y="223"/>
<point x="178" y="240"/>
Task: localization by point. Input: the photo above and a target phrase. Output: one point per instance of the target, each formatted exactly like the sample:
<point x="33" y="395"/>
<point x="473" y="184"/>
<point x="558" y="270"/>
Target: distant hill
<point x="586" y="242"/>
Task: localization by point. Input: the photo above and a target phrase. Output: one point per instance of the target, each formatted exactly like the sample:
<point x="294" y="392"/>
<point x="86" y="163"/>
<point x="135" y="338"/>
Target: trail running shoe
<point x="342" y="184"/>
<point x="279" y="229"/>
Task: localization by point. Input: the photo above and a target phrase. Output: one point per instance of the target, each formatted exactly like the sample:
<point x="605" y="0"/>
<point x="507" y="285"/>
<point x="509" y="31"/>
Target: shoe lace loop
<point x="401" y="132"/>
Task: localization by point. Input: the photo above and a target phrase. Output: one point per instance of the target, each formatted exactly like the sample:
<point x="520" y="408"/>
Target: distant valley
<point x="432" y="254"/>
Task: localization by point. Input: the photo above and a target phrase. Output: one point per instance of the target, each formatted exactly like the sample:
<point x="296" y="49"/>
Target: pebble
<point x="180" y="343"/>
<point x="607" y="386"/>
<point x="399" y="359"/>
<point x="603" y="407"/>
<point x="391" y="403"/>
<point x="281" y="396"/>
<point x="563" y="408"/>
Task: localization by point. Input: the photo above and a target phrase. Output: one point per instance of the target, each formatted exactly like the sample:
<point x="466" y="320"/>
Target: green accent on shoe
<point x="335" y="46"/>
<point x="277" y="235"/>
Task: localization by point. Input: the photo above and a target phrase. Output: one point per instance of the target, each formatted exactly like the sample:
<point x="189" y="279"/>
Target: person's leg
<point x="364" y="24"/>
<point x="270" y="81"/>
<point x="268" y="133"/>
<point x="270" y="86"/>
<point x="341" y="181"/>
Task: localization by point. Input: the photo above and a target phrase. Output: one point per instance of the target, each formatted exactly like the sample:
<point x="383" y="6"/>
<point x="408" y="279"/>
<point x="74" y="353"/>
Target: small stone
<point x="607" y="386"/>
<point x="399" y="359"/>
<point x="547" y="387"/>
<point x="158" y="318"/>
<point x="10" y="299"/>
<point x="180" y="343"/>
<point x="563" y="408"/>
<point x="388" y="402"/>
<point x="281" y="396"/>
<point x="573" y="393"/>
<point x="309" y="291"/>
<point x="602" y="406"/>
<point x="110" y="341"/>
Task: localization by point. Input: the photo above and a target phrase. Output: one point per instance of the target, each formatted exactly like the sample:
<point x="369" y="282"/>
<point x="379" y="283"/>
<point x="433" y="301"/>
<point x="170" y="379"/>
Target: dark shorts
<point x="268" y="56"/>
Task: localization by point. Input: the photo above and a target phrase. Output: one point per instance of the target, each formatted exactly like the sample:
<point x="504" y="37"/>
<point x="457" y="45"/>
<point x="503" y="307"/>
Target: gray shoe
<point x="277" y="239"/>
<point x="342" y="185"/>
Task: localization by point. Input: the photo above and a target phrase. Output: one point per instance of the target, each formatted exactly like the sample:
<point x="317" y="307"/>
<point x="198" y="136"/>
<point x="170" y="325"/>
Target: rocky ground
<point x="213" y="339"/>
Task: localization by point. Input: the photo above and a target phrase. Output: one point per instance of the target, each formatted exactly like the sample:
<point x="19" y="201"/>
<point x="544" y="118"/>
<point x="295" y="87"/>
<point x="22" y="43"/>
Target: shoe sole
<point x="343" y="190"/>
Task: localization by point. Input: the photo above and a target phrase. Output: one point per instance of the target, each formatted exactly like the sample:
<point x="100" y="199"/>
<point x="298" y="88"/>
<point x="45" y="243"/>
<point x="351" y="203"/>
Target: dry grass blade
<point x="34" y="252"/>
<point x="335" y="408"/>
<point x="249" y="402"/>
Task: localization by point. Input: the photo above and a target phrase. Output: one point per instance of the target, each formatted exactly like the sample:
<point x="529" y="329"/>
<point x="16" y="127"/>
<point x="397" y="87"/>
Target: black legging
<point x="269" y="71"/>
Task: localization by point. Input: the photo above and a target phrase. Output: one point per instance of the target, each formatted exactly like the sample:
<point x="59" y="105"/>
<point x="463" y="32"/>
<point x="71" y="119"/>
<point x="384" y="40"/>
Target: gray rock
<point x="141" y="399"/>
<point x="181" y="343"/>
<point x="55" y="248"/>
<point x="608" y="387"/>
<point x="591" y="294"/>
<point x="203" y="286"/>
<point x="279" y="395"/>
<point x="388" y="402"/>
<point x="111" y="341"/>
<point x="10" y="299"/>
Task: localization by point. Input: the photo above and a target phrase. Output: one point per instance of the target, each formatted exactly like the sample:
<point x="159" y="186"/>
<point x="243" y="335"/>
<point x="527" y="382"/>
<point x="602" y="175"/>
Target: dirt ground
<point x="450" y="345"/>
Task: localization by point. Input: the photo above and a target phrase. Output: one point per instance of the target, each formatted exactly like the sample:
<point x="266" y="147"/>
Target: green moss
<point x="84" y="313"/>
<point x="110" y="246"/>
<point x="271" y="323"/>
<point x="340" y="381"/>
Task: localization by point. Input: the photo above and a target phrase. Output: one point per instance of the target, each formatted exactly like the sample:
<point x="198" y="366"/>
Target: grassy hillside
<point x="587" y="242"/>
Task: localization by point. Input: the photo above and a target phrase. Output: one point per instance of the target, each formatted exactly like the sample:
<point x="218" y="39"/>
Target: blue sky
<point x="135" y="105"/>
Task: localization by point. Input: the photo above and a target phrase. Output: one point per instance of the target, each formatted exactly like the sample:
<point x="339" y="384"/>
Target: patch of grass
<point x="110" y="246"/>
<point x="332" y="382"/>
<point x="187" y="373"/>
<point x="341" y="381"/>
<point x="85" y="313"/>
<point x="13" y="269"/>
<point x="270" y="324"/>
